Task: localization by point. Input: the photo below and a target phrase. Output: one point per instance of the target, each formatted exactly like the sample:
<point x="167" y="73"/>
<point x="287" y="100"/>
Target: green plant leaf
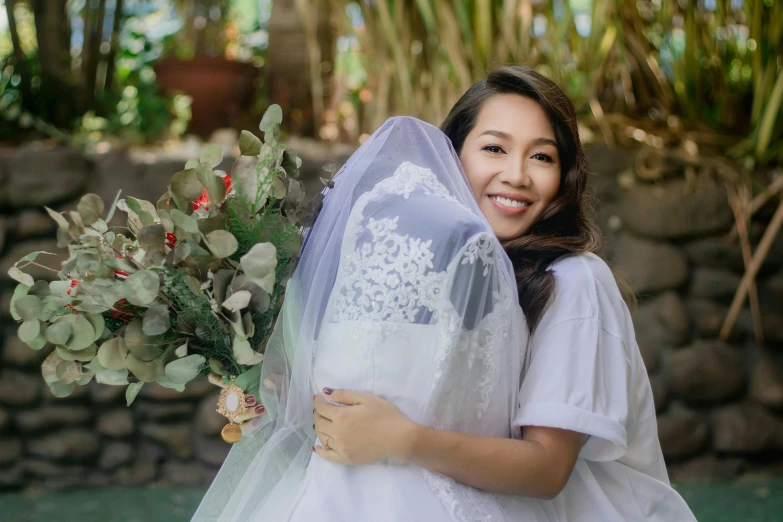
<point x="244" y="353"/>
<point x="61" y="390"/>
<point x="139" y="343"/>
<point x="112" y="377"/>
<point x="98" y="324"/>
<point x="90" y="208"/>
<point x="142" y="287"/>
<point x="291" y="163"/>
<point x="216" y="187"/>
<point x="181" y="252"/>
<point x="156" y="320"/>
<point x="271" y="119"/>
<point x="217" y="367"/>
<point x="184" y="370"/>
<point x="83" y="334"/>
<point x="212" y="155"/>
<point x="29" y="330"/>
<point x="191" y="164"/>
<point x="259" y="265"/>
<point x="32" y="256"/>
<point x="132" y="391"/>
<point x="113" y="207"/>
<point x="112" y="354"/>
<point x="183" y="221"/>
<point x="249" y="144"/>
<point x="186" y="185"/>
<point x="20" y="277"/>
<point x="237" y="301"/>
<point x="295" y="193"/>
<point x="58" y="333"/>
<point x="250" y="380"/>
<point x="68" y="372"/>
<point x="222" y="243"/>
<point x="86" y="355"/>
<point x="245" y="178"/>
<point x="166" y="221"/>
<point x="152" y="238"/>
<point x="61" y="221"/>
<point x="278" y="189"/>
<point x="20" y="291"/>
<point x="143" y="370"/>
<point x="49" y="367"/>
<point x="28" y="307"/>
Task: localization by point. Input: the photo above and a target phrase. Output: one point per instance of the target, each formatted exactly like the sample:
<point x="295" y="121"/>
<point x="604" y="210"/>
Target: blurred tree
<point x="300" y="61"/>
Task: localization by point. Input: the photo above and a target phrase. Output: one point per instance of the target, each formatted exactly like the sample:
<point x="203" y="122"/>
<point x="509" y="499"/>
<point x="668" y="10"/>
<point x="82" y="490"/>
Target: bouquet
<point x="191" y="286"/>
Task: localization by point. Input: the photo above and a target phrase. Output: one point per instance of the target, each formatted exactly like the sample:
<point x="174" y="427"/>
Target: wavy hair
<point x="566" y="227"/>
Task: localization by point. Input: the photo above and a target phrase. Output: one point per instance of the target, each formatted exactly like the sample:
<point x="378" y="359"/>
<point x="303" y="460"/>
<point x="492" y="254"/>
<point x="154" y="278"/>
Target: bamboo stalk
<point x="747" y="257"/>
<point x="759" y="201"/>
<point x="750" y="274"/>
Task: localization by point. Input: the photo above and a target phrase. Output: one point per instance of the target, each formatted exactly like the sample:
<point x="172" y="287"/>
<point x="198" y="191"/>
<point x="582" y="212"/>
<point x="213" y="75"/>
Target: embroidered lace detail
<point x="464" y="504"/>
<point x="389" y="278"/>
<point x="409" y="177"/>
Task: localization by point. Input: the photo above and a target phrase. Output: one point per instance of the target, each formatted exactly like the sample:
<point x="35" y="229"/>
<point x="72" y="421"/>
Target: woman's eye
<point x="493" y="149"/>
<point x="542" y="157"/>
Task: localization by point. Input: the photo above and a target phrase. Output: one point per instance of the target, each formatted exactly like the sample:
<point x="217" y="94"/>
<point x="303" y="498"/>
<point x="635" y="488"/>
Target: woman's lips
<point x="509" y="211"/>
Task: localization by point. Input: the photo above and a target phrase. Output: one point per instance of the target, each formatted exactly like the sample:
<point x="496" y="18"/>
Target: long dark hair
<point x="565" y="228"/>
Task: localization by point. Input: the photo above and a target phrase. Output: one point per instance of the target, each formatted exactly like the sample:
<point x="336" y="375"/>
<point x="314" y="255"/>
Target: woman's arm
<point x="369" y="429"/>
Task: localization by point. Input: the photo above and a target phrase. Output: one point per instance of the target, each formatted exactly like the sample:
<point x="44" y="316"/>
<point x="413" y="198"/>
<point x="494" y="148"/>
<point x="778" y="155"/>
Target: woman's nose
<point x="515" y="174"/>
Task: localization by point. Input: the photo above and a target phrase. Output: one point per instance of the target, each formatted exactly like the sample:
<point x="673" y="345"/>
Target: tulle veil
<point x="400" y="247"/>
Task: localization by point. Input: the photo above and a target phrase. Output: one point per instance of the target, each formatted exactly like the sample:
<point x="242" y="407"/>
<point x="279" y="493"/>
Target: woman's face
<point x="511" y="160"/>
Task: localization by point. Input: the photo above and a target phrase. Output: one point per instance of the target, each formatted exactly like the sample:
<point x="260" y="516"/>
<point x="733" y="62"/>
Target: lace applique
<point x="409" y="177"/>
<point x="483" y="248"/>
<point x="464" y="503"/>
<point x="389" y="278"/>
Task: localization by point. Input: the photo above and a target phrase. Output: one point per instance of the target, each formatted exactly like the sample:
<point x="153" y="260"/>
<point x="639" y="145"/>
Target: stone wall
<point x="717" y="402"/>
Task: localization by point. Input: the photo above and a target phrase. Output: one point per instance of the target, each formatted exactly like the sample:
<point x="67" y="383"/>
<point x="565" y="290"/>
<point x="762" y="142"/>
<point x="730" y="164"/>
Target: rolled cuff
<point x="607" y="438"/>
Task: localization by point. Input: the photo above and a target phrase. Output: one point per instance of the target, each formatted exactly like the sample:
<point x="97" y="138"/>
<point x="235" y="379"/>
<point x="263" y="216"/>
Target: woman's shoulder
<point x="584" y="288"/>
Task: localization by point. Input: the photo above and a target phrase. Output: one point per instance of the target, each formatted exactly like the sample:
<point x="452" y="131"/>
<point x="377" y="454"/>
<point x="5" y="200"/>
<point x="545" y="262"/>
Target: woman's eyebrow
<point x="498" y="134"/>
<point x="544" y="141"/>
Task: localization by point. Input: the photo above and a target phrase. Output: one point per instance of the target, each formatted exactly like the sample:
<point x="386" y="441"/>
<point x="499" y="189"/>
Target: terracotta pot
<point x="221" y="89"/>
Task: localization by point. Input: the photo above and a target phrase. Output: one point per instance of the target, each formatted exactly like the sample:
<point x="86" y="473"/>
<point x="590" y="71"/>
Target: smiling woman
<point x="512" y="164"/>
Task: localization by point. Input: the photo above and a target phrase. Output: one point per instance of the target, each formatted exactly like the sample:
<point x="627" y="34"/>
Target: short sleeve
<point x="577" y="379"/>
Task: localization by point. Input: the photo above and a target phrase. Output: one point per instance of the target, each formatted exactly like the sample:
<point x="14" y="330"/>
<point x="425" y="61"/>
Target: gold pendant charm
<point x="231" y="404"/>
<point x="231" y="433"/>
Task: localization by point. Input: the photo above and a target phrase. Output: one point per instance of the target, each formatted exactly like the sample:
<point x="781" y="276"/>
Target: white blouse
<point x="584" y="373"/>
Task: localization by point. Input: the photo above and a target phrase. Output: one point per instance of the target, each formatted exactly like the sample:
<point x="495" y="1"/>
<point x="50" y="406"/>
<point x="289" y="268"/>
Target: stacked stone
<point x="91" y="438"/>
<point x="719" y="404"/>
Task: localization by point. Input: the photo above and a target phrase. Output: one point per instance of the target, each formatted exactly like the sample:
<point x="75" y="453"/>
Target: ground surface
<point x="745" y="501"/>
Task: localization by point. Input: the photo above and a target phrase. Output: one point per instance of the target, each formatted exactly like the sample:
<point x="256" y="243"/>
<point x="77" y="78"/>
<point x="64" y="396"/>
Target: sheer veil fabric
<point x="403" y="291"/>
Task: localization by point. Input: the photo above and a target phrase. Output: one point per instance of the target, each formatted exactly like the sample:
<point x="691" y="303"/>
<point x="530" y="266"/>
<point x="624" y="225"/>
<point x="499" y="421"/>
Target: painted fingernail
<point x="313" y="448"/>
<point x="250" y="400"/>
<point x="328" y="391"/>
<point x="260" y="408"/>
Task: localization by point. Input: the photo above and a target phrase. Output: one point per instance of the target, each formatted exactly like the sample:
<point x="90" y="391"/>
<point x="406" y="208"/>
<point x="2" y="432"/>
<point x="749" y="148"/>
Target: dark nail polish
<point x="250" y="400"/>
<point x="313" y="448"/>
<point x="328" y="391"/>
<point x="260" y="409"/>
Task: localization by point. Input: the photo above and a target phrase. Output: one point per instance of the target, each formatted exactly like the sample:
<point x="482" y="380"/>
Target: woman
<point x="582" y="442"/>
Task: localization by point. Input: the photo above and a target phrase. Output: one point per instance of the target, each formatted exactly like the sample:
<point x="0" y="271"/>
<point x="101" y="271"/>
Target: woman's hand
<point x="365" y="430"/>
<point x="253" y="410"/>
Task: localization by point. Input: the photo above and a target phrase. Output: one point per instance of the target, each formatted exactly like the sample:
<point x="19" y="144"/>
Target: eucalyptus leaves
<point x="191" y="285"/>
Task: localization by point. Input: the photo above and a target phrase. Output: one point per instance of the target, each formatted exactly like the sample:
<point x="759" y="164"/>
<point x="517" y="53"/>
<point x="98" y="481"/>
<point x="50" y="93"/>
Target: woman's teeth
<point x="509" y="202"/>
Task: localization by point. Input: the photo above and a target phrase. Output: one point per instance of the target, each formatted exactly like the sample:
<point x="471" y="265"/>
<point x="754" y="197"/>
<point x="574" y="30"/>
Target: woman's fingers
<point x="326" y="409"/>
<point x="328" y="454"/>
<point x="273" y="382"/>
<point x="216" y="380"/>
<point x="251" y="413"/>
